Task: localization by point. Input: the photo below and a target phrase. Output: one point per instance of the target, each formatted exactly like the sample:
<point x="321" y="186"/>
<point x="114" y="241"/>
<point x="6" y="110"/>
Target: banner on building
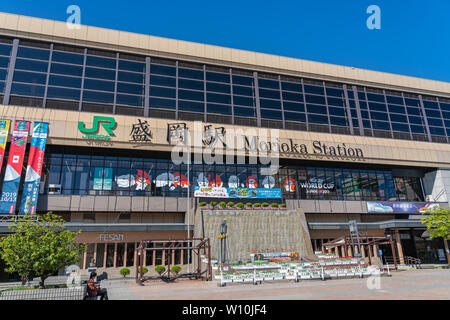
<point x="398" y="207"/>
<point x="34" y="168"/>
<point x="103" y="178"/>
<point x="249" y="193"/>
<point x="4" y="130"/>
<point x="13" y="171"/>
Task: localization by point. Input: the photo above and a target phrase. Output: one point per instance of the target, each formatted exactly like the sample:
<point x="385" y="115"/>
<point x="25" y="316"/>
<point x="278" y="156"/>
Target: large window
<point x="76" y="78"/>
<point x="97" y="175"/>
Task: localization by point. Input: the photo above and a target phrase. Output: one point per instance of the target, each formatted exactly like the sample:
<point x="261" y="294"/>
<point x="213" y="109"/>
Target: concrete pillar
<point x="399" y="246"/>
<point x="349" y="251"/>
<point x="115" y="255"/>
<point x="447" y="250"/>
<point x="342" y="252"/>
<point x="375" y="250"/>
<point x="363" y="251"/>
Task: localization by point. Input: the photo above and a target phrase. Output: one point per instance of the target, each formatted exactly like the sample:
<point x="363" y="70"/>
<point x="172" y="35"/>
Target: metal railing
<point x="414" y="262"/>
<point x="9" y="218"/>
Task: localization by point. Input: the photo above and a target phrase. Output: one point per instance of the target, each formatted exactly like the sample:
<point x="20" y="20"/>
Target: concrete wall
<point x="437" y="184"/>
<point x="111" y="203"/>
<point x="256" y="229"/>
<point x="328" y="206"/>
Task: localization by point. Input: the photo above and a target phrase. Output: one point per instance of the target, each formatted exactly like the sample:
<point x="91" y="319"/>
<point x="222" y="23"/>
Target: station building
<point x="353" y="144"/>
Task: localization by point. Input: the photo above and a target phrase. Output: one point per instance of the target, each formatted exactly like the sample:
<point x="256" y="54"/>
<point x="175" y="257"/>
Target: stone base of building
<point x="255" y="230"/>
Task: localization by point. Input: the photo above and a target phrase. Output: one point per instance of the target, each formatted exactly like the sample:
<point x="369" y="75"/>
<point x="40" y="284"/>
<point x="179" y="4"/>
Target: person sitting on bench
<point x="93" y="288"/>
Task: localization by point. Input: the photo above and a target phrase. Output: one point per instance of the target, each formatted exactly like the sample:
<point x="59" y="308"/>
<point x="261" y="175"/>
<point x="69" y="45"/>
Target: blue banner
<point x="249" y="193"/>
<point x="34" y="169"/>
<point x="398" y="207"/>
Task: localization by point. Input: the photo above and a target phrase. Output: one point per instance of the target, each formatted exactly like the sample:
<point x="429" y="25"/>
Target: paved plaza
<point x="403" y="285"/>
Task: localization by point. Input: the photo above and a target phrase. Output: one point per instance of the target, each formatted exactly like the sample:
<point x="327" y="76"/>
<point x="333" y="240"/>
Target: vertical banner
<point x="4" y="130"/>
<point x="14" y="167"/>
<point x="34" y="168"/>
<point x="103" y="178"/>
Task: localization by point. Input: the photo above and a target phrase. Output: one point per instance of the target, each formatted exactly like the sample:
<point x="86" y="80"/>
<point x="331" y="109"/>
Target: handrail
<point x="10" y="218"/>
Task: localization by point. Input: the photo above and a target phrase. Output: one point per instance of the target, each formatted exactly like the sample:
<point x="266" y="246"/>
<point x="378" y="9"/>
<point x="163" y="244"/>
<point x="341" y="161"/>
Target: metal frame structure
<point x="175" y="244"/>
<point x="364" y="241"/>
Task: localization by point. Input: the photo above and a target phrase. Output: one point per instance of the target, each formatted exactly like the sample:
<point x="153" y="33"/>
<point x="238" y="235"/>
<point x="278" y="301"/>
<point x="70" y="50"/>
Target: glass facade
<point x="51" y="75"/>
<point x="100" y="175"/>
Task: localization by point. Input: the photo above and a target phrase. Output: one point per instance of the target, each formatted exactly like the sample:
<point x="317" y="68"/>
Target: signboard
<point x="4" y="130"/>
<point x="398" y="207"/>
<point x="103" y="178"/>
<point x="317" y="186"/>
<point x="250" y="193"/>
<point x="34" y="168"/>
<point x="14" y="167"/>
<point x="108" y="124"/>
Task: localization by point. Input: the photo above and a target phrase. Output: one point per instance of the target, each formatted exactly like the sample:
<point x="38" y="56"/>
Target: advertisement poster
<point x="14" y="167"/>
<point x="249" y="193"/>
<point x="4" y="130"/>
<point x="398" y="207"/>
<point x="103" y="178"/>
<point x="34" y="168"/>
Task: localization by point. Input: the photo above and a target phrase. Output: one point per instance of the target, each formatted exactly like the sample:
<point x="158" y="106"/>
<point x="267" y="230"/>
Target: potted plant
<point x="264" y="204"/>
<point x="124" y="272"/>
<point x="160" y="269"/>
<point x="222" y="205"/>
<point x="256" y="205"/>
<point x="202" y="204"/>
<point x="283" y="206"/>
<point x="230" y="204"/>
<point x="212" y="204"/>
<point x="249" y="205"/>
<point x="144" y="270"/>
<point x="274" y="205"/>
<point x="176" y="270"/>
<point x="239" y="205"/>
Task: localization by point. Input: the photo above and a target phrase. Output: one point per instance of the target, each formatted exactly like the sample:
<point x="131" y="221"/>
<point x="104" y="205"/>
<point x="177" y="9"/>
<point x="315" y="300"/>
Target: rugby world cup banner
<point x="14" y="167"/>
<point x="4" y="130"/>
<point x="34" y="168"/>
<point x="249" y="193"/>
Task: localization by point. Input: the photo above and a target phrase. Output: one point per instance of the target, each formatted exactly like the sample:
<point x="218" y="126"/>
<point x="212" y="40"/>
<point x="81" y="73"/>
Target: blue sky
<point x="414" y="38"/>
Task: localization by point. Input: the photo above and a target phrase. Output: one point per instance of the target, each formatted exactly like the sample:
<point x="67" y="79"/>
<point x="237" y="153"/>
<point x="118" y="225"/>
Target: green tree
<point x="437" y="220"/>
<point x="39" y="246"/>
<point x="124" y="272"/>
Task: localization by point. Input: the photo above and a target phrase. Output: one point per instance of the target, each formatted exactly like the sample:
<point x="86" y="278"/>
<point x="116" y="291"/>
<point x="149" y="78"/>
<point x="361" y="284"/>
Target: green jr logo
<point x="108" y="123"/>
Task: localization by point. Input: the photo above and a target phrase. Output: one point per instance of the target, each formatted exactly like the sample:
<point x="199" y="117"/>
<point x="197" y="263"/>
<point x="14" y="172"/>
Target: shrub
<point x="249" y="204"/>
<point x="240" y="205"/>
<point x="213" y="203"/>
<point x="230" y="204"/>
<point x="264" y="204"/>
<point x="222" y="204"/>
<point x="202" y="204"/>
<point x="274" y="205"/>
<point x="283" y="205"/>
<point x="176" y="269"/>
<point x="144" y="270"/>
<point x="124" y="272"/>
<point x="160" y="269"/>
<point x="257" y="205"/>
